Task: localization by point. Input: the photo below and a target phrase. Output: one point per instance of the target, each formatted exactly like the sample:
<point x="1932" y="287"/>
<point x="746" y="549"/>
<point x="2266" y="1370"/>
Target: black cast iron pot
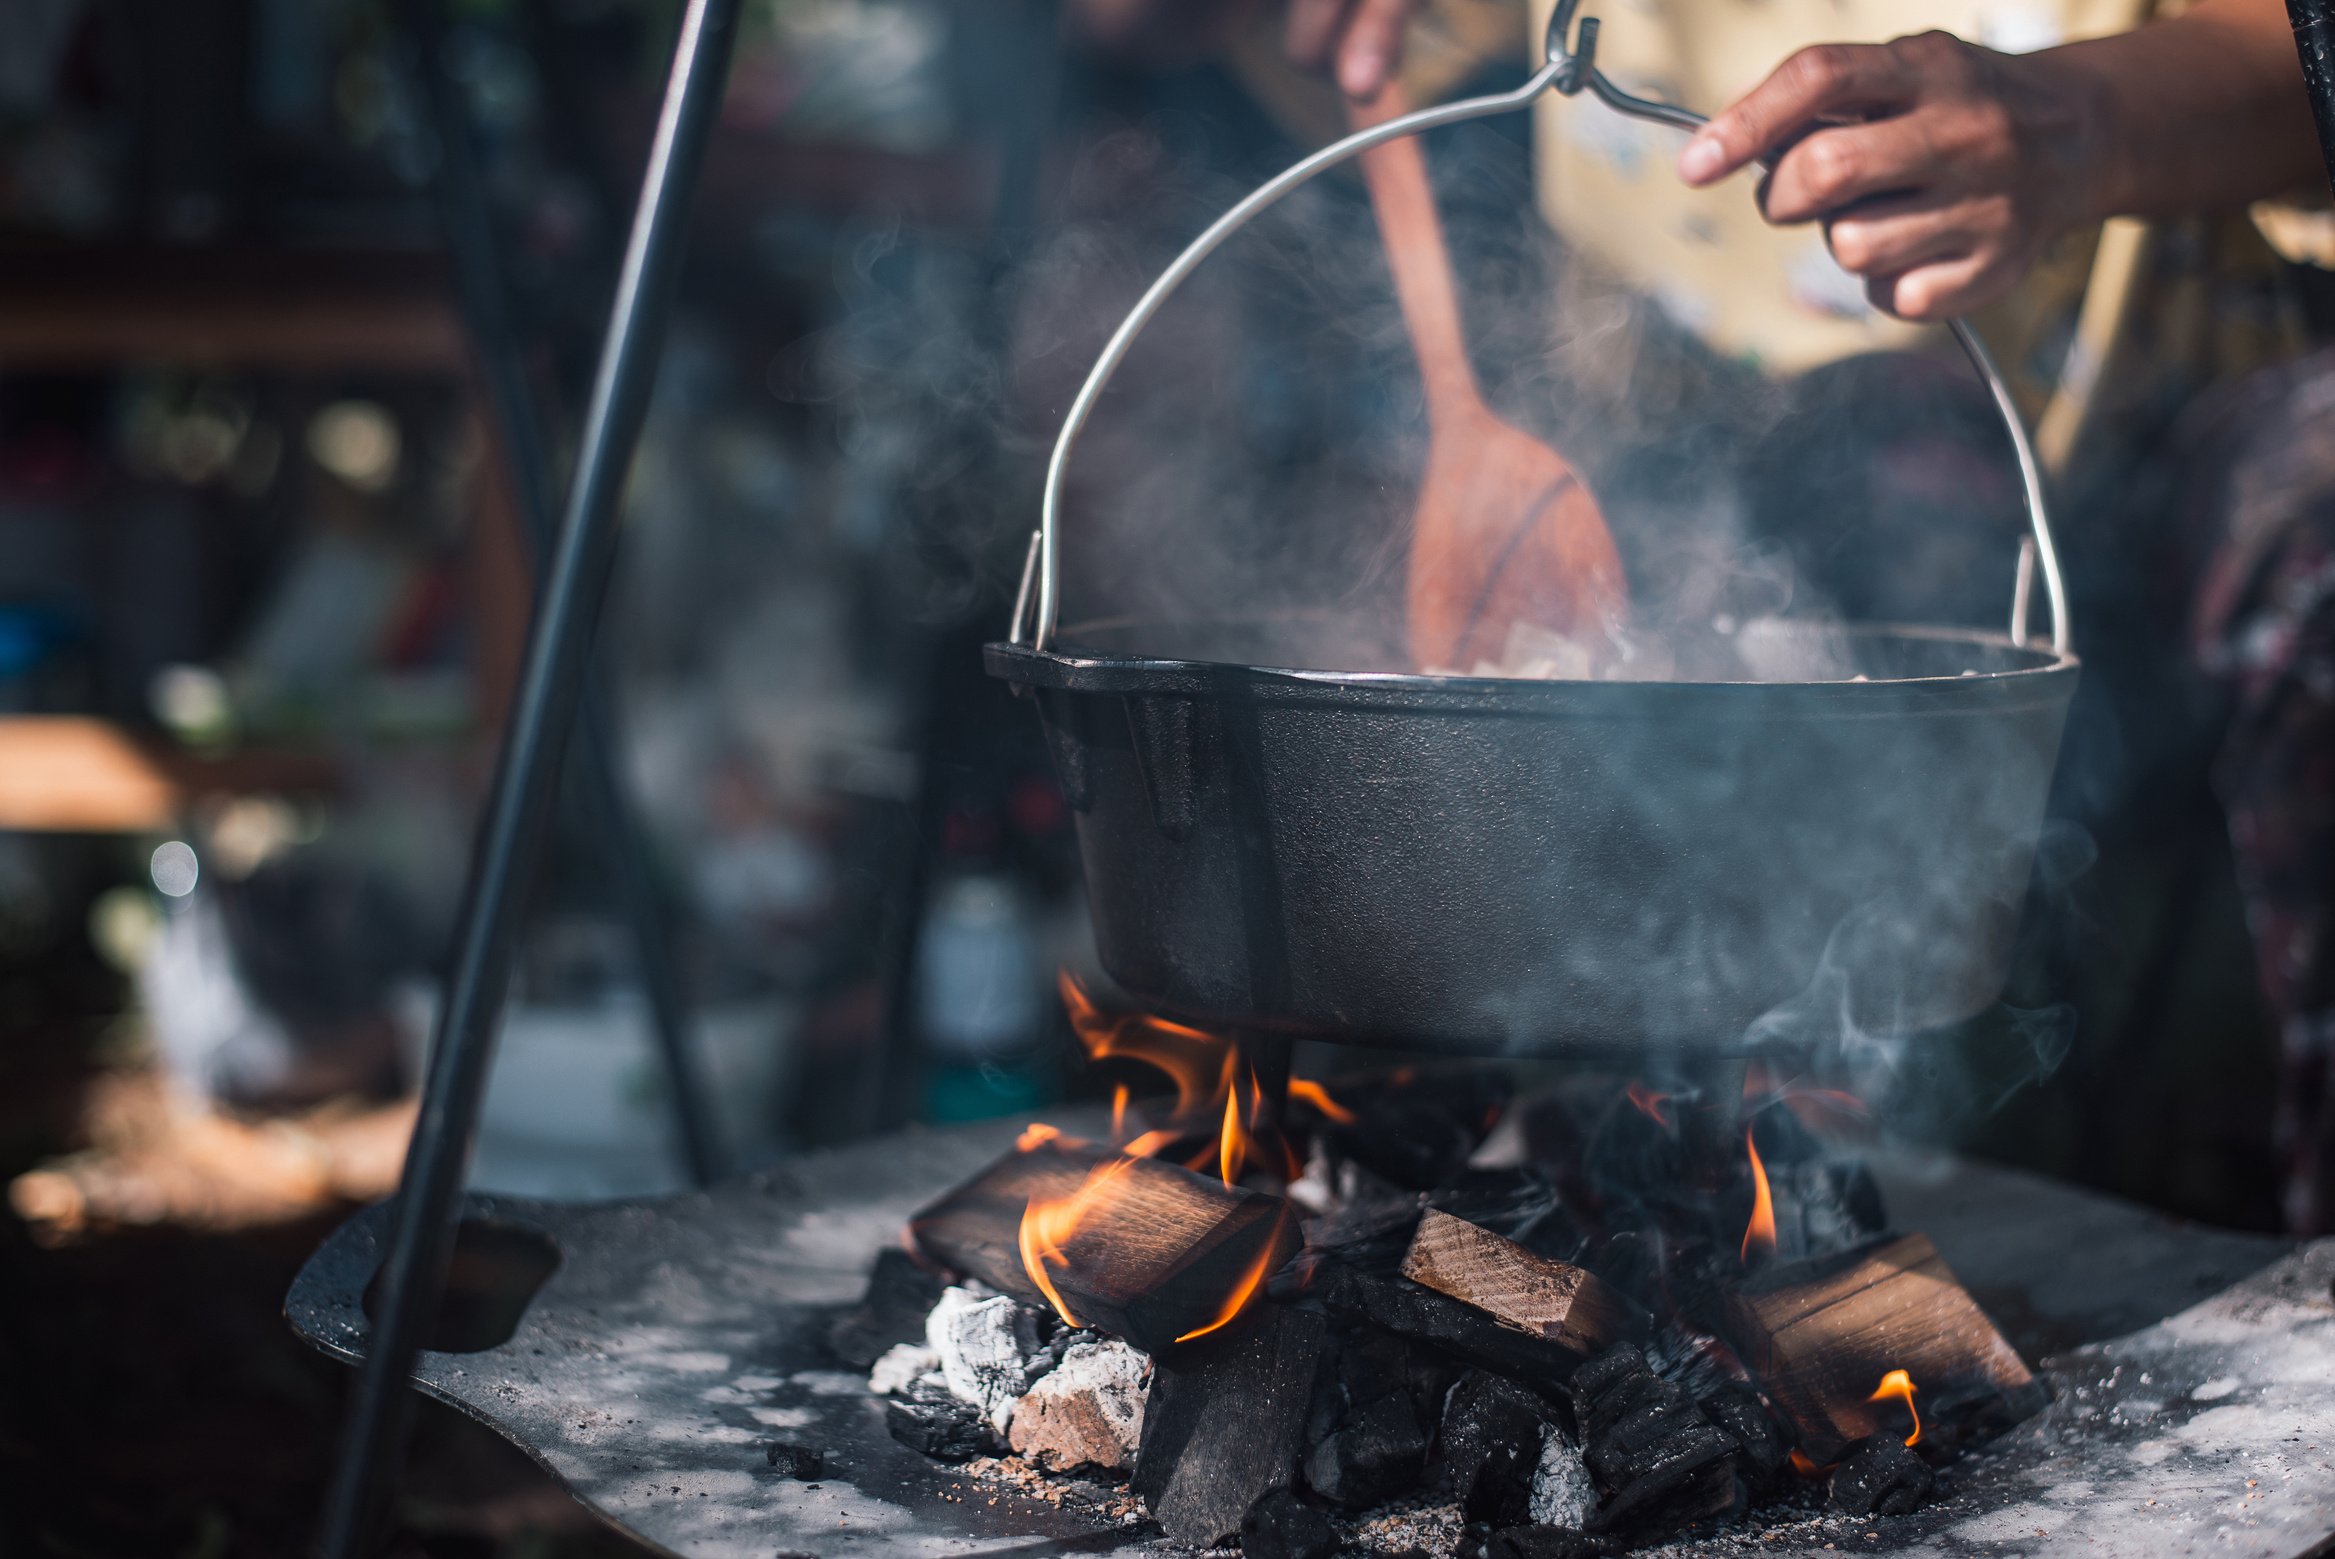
<point x="1818" y="835"/>
<point x="1552" y="868"/>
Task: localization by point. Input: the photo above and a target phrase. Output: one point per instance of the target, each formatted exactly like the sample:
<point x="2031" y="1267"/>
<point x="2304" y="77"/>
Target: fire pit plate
<point x="2193" y="1373"/>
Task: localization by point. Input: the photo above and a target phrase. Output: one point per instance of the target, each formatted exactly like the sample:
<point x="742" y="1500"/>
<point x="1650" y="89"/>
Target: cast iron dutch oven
<point x="1549" y="869"/>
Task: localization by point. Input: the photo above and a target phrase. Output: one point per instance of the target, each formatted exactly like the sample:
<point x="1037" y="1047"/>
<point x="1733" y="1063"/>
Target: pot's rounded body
<point x="1555" y="869"/>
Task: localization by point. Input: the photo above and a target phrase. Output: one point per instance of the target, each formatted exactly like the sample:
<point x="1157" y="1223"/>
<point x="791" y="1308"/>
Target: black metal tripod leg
<point x="421" y="1234"/>
<point x="469" y="227"/>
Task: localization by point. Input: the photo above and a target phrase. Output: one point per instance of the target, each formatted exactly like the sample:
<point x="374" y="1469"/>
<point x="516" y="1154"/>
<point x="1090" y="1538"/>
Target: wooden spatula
<point x="1505" y="532"/>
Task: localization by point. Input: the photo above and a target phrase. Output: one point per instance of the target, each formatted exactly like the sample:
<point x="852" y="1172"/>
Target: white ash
<point x="1088" y="1411"/>
<point x="901" y="1364"/>
<point x="1401" y="1528"/>
<point x="1562" y="1493"/>
<point x="989" y="1351"/>
<point x="1314" y="1192"/>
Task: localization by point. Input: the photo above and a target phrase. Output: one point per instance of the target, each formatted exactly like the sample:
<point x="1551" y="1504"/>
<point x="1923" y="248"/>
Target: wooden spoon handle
<point x="1413" y="233"/>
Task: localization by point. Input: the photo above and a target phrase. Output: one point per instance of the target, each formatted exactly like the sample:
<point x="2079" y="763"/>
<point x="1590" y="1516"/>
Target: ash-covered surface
<point x="680" y="1339"/>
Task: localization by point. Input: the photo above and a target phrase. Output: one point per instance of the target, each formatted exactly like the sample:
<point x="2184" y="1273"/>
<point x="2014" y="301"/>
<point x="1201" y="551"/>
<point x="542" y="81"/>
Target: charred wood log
<point x="1566" y="1304"/>
<point x="1377" y="1452"/>
<point x="1881" y="1477"/>
<point x="1416" y="1126"/>
<point x="1820" y="1336"/>
<point x="1761" y="1449"/>
<point x="927" y="1417"/>
<point x="1488" y="1446"/>
<point x="1156" y="1258"/>
<point x="1282" y="1526"/>
<point x="1439" y="1322"/>
<point x="1224" y="1420"/>
<point x="1658" y="1461"/>
<point x="899" y="1295"/>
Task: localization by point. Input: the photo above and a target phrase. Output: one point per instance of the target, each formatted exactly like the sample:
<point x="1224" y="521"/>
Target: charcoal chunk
<point x="1459" y="1331"/>
<point x="1881" y="1477"/>
<point x="1738" y="1411"/>
<point x="928" y="1417"/>
<point x="1377" y="1452"/>
<point x="1658" y="1462"/>
<point x="1224" y="1421"/>
<point x="899" y="1295"/>
<point x="804" y="1462"/>
<point x="1519" y="1204"/>
<point x="1417" y="1130"/>
<point x="1488" y="1446"/>
<point x="1282" y="1526"/>
<point x="1529" y="1541"/>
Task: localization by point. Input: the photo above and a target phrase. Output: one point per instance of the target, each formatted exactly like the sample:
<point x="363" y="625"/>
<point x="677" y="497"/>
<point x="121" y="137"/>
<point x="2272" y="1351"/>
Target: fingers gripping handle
<point x="1571" y="68"/>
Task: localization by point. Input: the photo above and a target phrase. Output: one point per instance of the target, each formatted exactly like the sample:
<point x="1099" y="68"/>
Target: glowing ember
<point x="1802" y="1465"/>
<point x="1897" y="1386"/>
<point x="1760" y="1234"/>
<point x="1246" y="1288"/>
<point x="1649" y="1103"/>
<point x="1118" y="1112"/>
<point x="1036" y="1135"/>
<point x="1047" y="1224"/>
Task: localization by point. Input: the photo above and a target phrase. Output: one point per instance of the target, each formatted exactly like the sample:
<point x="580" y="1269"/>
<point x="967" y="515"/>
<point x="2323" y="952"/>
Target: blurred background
<point x="264" y="581"/>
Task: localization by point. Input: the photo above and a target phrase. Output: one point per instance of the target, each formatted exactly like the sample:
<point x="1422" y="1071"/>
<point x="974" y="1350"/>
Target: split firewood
<point x="1149" y="1252"/>
<point x="1552" y="1299"/>
<point x="1821" y="1336"/>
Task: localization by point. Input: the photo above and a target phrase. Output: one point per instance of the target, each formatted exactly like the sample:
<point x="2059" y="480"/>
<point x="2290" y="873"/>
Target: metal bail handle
<point x="1571" y="68"/>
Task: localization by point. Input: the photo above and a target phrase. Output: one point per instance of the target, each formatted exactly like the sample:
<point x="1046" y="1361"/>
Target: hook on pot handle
<point x="1571" y="68"/>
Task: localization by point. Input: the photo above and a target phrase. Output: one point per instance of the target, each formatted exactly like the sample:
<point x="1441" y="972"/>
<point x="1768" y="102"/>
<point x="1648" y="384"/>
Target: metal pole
<point x="469" y="225"/>
<point x="422" y="1222"/>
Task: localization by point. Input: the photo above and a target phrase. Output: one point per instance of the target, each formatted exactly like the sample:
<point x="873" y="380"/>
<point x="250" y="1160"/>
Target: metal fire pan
<point x="1554" y="869"/>
<point x="677" y="1338"/>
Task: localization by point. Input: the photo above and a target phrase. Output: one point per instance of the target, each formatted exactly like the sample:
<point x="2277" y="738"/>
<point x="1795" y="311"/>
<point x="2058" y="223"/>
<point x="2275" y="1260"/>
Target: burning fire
<point x="1760" y="1234"/>
<point x="1897" y="1386"/>
<point x="1316" y="1095"/>
<point x="1048" y="1224"/>
<point x="1217" y="1096"/>
<point x="1245" y="1289"/>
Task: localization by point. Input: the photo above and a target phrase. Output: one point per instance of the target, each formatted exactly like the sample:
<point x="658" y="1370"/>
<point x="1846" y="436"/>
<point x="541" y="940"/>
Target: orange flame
<point x="1233" y="1146"/>
<point x="1036" y="1135"/>
<point x="1209" y="1076"/>
<point x="1649" y="1102"/>
<point x="1246" y="1288"/>
<point x="1048" y="1222"/>
<point x="1897" y="1386"/>
<point x="1760" y="1234"/>
<point x="1191" y="1058"/>
<point x="1316" y="1095"/>
<point x="1803" y="1466"/>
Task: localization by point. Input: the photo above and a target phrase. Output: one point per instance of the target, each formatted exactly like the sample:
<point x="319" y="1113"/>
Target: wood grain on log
<point x="1821" y="1335"/>
<point x="1157" y="1258"/>
<point x="1564" y="1303"/>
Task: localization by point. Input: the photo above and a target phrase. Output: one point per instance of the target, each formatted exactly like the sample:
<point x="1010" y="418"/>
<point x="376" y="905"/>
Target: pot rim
<point x="1077" y="668"/>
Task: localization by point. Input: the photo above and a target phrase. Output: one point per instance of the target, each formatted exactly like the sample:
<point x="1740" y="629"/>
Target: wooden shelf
<point x="77" y="774"/>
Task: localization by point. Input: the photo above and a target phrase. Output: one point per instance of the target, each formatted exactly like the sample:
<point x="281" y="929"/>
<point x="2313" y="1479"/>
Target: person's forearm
<point x="2203" y="109"/>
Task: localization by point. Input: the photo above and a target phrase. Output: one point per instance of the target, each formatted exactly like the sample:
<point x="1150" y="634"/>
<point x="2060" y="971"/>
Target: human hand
<point x="1939" y="169"/>
<point x="1362" y="38"/>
